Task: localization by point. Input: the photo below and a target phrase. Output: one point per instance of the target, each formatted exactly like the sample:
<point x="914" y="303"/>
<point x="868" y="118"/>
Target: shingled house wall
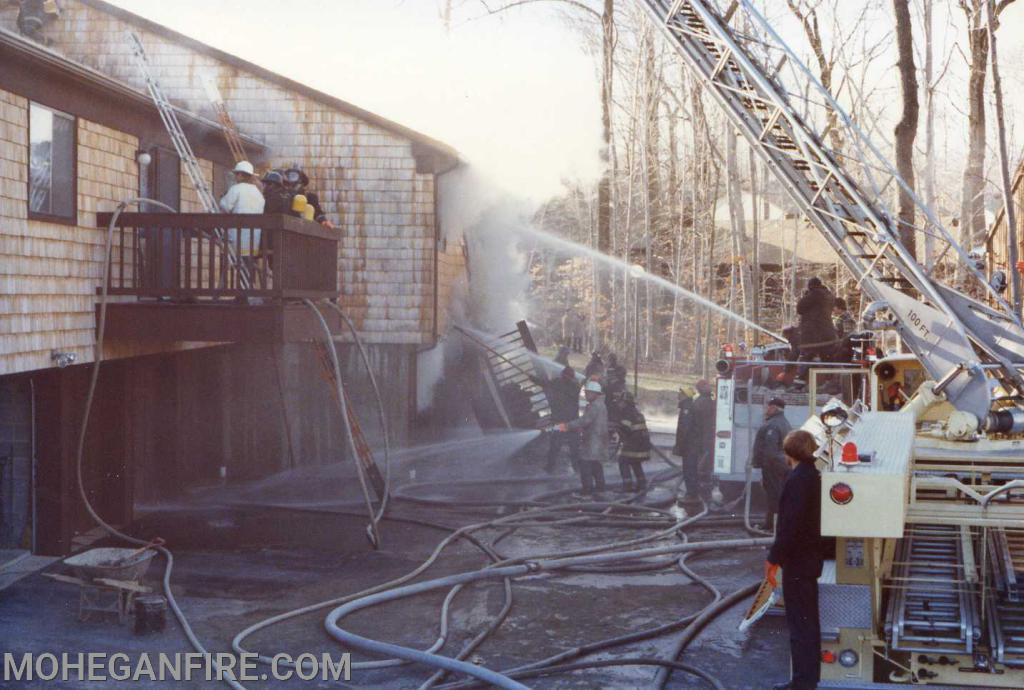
<point x="49" y="271"/>
<point x="365" y="174"/>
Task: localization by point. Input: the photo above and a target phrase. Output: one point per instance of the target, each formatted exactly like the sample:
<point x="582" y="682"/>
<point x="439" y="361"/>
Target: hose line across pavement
<point x="637" y="554"/>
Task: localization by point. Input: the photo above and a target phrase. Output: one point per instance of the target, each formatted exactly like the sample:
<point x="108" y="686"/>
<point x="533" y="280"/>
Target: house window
<point x="51" y="186"/>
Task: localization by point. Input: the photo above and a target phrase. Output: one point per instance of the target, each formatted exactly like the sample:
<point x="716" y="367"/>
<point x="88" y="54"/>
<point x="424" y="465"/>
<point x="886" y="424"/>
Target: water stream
<point x="582" y="250"/>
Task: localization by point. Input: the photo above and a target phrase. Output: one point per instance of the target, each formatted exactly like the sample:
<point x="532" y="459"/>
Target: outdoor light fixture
<point x="834" y="417"/>
<point x="143" y="158"/>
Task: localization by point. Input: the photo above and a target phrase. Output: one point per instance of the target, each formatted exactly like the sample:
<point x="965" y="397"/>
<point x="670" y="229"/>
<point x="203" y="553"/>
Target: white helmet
<point x="593" y="387"/>
<point x="244" y="167"/>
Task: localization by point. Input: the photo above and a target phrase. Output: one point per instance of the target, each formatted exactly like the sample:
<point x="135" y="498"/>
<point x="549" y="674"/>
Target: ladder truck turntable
<point x="925" y="503"/>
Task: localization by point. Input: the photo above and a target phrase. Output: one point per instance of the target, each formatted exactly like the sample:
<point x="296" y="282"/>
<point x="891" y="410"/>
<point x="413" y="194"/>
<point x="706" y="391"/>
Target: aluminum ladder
<point x="187" y="156"/>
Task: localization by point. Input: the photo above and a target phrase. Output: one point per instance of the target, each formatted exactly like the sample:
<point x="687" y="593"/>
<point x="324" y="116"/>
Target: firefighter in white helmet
<point x="594" y="449"/>
<point x="244" y="196"/>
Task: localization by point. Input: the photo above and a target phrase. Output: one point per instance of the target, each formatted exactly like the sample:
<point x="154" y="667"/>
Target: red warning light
<point x="850" y="456"/>
<point x="841" y="493"/>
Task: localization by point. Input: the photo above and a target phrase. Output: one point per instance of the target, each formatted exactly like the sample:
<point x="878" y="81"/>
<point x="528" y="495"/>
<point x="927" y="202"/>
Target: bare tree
<point x="1004" y="167"/>
<point x="972" y="204"/>
<point x="906" y="128"/>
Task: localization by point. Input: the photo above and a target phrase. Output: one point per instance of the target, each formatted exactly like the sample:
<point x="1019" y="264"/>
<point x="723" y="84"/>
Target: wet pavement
<point x="238" y="562"/>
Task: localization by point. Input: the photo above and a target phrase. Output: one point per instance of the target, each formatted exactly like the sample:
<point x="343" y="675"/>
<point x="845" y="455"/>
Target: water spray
<point x="578" y="248"/>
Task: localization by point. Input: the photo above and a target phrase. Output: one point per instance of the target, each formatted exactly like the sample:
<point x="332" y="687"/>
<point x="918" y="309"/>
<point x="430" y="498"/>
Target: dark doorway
<point x="163" y="184"/>
<point x="16" y="450"/>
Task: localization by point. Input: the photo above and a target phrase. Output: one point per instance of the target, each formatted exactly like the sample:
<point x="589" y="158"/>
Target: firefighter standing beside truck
<point x="685" y="446"/>
<point x="797" y="550"/>
<point x="703" y="459"/>
<point x="767" y="454"/>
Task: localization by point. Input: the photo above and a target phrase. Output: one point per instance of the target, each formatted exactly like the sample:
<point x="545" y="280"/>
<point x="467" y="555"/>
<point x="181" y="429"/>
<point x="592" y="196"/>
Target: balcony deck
<point x="201" y="277"/>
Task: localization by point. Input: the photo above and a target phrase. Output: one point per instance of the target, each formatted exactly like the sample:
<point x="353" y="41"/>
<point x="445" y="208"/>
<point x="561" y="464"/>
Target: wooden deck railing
<point x="199" y="256"/>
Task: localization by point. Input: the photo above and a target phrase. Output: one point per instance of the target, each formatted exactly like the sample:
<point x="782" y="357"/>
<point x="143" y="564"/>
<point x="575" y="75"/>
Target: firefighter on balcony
<point x="277" y="198"/>
<point x="594" y="451"/>
<point x="768" y="455"/>
<point x="297" y="183"/>
<point x="635" y="446"/>
<point x="244" y="196"/>
<point x="797" y="550"/>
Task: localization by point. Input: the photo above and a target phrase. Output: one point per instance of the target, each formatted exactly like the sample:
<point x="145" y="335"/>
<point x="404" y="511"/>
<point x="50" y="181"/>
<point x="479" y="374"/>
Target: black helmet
<point x="294" y="175"/>
<point x="273" y="177"/>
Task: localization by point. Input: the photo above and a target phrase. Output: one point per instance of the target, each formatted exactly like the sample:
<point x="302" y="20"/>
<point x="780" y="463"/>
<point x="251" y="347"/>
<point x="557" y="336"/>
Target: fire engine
<point x="922" y="450"/>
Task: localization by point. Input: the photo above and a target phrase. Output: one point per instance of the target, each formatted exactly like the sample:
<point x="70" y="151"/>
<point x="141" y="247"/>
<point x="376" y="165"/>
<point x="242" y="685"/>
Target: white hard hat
<point x="244" y="167"/>
<point x="593" y="387"/>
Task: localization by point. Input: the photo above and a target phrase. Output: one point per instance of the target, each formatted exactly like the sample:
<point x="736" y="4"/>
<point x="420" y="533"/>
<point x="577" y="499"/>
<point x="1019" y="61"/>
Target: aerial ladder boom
<point x="742" y="61"/>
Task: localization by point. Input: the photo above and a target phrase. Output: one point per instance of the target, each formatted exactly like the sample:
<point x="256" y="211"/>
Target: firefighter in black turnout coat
<point x="635" y="446"/>
<point x="818" y="335"/>
<point x="797" y="550"/>
<point x="768" y="455"/>
<point x="564" y="397"/>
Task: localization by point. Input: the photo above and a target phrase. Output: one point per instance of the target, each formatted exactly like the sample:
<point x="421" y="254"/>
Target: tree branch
<point x="517" y="3"/>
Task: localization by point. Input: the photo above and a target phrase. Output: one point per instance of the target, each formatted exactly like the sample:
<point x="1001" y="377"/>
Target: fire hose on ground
<point x="500" y="569"/>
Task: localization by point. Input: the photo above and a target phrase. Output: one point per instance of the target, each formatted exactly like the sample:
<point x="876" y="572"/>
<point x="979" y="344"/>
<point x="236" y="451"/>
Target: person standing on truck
<point x="842" y="319"/>
<point x="703" y="458"/>
<point x="768" y="456"/>
<point x="818" y="336"/>
<point x="797" y="550"/>
<point x="594" y="450"/>
<point x="635" y="446"/>
<point x="564" y="396"/>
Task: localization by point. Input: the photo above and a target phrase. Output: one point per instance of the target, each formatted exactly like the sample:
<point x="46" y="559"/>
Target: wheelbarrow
<point x="107" y="579"/>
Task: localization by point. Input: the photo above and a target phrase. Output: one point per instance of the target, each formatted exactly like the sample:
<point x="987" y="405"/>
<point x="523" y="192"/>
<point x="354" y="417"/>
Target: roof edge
<point x="435" y="145"/>
<point x="41" y="53"/>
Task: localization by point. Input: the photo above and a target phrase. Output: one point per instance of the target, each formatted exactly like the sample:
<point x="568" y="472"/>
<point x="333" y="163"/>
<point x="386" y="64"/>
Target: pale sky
<point x="516" y="96"/>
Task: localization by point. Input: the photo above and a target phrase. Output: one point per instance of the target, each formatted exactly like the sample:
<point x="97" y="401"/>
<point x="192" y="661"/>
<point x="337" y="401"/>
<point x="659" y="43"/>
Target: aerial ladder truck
<point x="925" y="505"/>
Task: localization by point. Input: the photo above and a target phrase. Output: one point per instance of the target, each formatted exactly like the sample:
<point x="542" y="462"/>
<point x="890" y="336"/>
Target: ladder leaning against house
<point x="188" y="159"/>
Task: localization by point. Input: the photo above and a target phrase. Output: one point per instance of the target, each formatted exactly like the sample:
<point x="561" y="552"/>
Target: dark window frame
<point x="71" y="219"/>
